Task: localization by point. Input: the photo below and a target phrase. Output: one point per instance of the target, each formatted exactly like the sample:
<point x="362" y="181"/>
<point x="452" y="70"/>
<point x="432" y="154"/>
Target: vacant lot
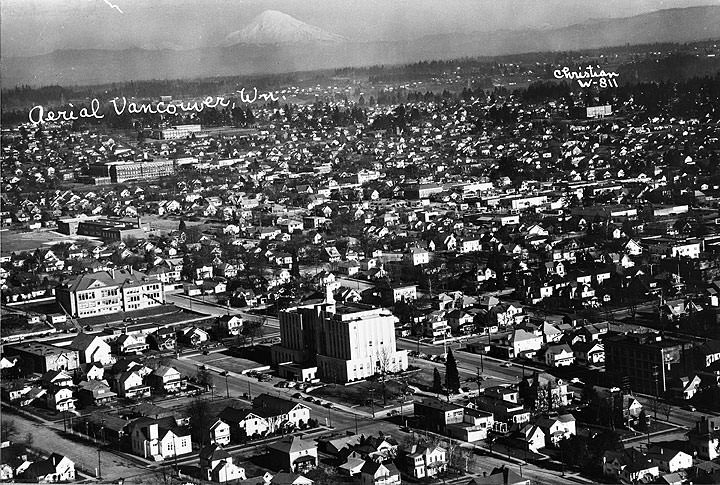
<point x="232" y="364"/>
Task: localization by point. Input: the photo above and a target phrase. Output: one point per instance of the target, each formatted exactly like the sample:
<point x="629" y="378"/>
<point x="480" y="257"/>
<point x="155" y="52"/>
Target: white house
<point x="524" y="342"/>
<point x="219" y="433"/>
<point x="91" y="348"/>
<point x="559" y="355"/>
<point x="557" y="428"/>
<point x="669" y="460"/>
<point x="417" y="256"/>
<point x="216" y="465"/>
<point x="159" y="439"/>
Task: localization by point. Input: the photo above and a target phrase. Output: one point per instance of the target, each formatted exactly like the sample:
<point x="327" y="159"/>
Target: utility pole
<point x="227" y="388"/>
<point x="99" y="465"/>
<point x="656" y="374"/>
<point x="249" y="392"/>
<point x="356" y="424"/>
<point x="372" y="401"/>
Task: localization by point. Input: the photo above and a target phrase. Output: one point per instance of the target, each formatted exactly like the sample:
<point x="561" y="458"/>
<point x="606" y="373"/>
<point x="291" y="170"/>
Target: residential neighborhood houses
<point x="471" y="285"/>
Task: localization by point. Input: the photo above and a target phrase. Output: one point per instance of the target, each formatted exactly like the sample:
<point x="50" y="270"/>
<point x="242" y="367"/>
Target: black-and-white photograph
<point x="373" y="242"/>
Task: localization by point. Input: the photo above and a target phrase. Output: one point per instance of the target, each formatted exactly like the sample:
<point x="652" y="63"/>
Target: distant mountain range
<point x="275" y="42"/>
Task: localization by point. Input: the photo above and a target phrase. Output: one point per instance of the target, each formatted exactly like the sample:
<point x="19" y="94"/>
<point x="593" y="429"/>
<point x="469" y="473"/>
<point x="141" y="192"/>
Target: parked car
<point x="297" y="395"/>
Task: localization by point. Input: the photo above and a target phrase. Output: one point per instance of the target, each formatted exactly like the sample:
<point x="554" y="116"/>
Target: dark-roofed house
<point x="284" y="478"/>
<point x="557" y="428"/>
<point x="373" y="473"/>
<point x="96" y="393"/>
<point x="108" y="427"/>
<point x="167" y="379"/>
<point x="162" y="339"/>
<point x="438" y="414"/>
<point x="55" y="468"/>
<point x="216" y="465"/>
<point x="500" y="476"/>
<point x="426" y="461"/>
<point x="159" y="439"/>
<point x="91" y="348"/>
<point x="244" y="423"/>
<point x="294" y="454"/>
<point x="280" y="412"/>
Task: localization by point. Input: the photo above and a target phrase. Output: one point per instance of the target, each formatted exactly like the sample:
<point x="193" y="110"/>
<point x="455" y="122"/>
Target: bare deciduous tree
<point x="384" y="366"/>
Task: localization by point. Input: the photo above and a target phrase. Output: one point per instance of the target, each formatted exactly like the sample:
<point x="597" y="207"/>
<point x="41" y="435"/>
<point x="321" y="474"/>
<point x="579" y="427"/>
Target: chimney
<point x="153" y="431"/>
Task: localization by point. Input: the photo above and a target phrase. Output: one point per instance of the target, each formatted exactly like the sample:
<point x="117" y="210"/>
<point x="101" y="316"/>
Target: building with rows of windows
<point x="347" y="342"/>
<point x="110" y="292"/>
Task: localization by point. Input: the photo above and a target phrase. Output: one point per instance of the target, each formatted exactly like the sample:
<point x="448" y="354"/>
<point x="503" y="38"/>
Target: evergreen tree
<point x="437" y="382"/>
<point x="182" y="225"/>
<point x="249" y="117"/>
<point x="452" y="376"/>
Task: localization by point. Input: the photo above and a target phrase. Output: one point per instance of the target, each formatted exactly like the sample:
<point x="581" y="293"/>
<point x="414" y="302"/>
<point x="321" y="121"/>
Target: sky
<point x="33" y="27"/>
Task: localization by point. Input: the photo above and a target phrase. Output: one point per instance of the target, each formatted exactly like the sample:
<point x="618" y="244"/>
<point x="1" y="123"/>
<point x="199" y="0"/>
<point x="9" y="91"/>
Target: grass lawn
<point x="13" y="324"/>
<point x="361" y="393"/>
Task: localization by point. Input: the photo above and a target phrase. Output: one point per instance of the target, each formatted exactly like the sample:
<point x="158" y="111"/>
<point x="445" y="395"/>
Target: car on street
<point x="505" y="364"/>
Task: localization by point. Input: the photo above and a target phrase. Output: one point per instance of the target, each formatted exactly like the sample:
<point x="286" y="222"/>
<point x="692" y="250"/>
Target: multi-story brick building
<point x="645" y="360"/>
<point x="110" y="292"/>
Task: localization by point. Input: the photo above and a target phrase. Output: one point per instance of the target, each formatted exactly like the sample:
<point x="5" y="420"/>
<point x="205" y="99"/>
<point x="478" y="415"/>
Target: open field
<point x="11" y="241"/>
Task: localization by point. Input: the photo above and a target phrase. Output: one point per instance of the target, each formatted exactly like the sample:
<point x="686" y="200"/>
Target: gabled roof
<point x="213" y="453"/>
<point x="292" y="444"/>
<point x="82" y="341"/>
<point x="276" y="404"/>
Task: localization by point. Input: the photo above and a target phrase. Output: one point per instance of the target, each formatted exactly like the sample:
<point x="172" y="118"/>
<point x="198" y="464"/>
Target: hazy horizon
<point x="35" y="27"/>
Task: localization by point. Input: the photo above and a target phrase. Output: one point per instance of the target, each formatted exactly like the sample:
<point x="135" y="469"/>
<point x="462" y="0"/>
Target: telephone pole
<point x="655" y="375"/>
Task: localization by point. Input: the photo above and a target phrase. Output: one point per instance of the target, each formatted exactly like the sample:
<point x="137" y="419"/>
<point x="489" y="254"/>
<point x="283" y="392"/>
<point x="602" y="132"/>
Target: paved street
<point x="196" y="304"/>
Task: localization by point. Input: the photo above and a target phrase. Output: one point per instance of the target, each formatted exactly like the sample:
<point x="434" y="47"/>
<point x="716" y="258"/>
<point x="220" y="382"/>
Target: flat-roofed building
<point x="40" y="357"/>
<point x="347" y="342"/>
<point x="178" y="131"/>
<point x="142" y="170"/>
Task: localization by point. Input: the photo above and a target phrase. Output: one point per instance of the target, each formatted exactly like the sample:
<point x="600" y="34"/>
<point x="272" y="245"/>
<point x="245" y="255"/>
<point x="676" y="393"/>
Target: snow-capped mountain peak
<point x="273" y="27"/>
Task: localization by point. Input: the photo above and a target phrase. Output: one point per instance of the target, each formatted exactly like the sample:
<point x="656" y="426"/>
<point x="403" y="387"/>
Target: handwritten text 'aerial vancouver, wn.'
<point x="38" y="114"/>
<point x="588" y="77"/>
